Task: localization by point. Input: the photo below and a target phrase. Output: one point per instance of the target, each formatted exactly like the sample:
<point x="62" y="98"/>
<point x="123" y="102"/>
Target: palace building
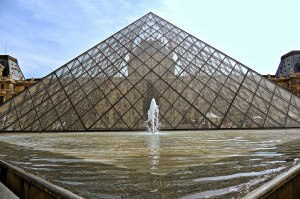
<point x="288" y="72"/>
<point x="12" y="80"/>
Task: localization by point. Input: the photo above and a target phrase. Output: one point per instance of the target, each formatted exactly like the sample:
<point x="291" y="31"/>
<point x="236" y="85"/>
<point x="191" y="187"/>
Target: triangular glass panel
<point x="68" y="119"/>
<point x="269" y="123"/>
<point x="35" y="126"/>
<point x="214" y="116"/>
<point x="294" y="113"/>
<point x="90" y="117"/>
<point x="291" y="123"/>
<point x="191" y="119"/>
<point x="13" y="127"/>
<point x="101" y="124"/>
<point x="76" y="126"/>
<point x="28" y="118"/>
<point x="257" y="116"/>
<point x="48" y="118"/>
<point x="206" y="124"/>
<point x="227" y="123"/>
<point x="236" y="116"/>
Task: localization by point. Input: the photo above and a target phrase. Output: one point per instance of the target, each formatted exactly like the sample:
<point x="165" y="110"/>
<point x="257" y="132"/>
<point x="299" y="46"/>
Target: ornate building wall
<point x="10" y="86"/>
<point x="291" y="82"/>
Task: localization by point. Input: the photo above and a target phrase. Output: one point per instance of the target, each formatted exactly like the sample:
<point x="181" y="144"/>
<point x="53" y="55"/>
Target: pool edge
<point x="285" y="185"/>
<point x="28" y="186"/>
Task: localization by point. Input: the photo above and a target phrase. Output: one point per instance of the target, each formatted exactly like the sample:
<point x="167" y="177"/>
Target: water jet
<point x="152" y="123"/>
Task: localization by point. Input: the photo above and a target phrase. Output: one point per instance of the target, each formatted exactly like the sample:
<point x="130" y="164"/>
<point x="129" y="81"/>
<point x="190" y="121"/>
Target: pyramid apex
<point x="151" y="13"/>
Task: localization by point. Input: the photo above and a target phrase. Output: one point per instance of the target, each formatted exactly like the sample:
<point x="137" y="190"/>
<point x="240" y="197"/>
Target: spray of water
<point x="152" y="123"/>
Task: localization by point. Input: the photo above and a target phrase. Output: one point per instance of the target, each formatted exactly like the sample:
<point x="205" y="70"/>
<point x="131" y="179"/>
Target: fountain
<point x="152" y="123"/>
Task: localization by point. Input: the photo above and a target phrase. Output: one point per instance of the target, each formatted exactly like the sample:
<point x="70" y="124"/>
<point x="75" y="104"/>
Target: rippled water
<point x="186" y="164"/>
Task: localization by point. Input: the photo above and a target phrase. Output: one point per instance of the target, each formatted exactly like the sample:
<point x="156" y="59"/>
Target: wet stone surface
<point x="217" y="164"/>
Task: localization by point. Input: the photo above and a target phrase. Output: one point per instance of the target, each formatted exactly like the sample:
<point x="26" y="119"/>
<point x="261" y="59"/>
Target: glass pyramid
<point x="110" y="86"/>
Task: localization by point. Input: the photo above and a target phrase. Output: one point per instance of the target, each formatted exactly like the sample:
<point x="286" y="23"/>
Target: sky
<point x="45" y="34"/>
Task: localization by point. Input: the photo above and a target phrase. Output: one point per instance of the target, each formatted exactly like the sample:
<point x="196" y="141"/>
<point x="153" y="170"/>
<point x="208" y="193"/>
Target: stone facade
<point x="288" y="72"/>
<point x="291" y="82"/>
<point x="10" y="86"/>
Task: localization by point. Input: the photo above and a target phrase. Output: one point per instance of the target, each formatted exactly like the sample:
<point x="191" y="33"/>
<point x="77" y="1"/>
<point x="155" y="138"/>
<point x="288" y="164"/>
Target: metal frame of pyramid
<point x="110" y="86"/>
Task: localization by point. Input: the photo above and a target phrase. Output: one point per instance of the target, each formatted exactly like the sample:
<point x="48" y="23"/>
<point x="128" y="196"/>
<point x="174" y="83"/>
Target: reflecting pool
<point x="173" y="164"/>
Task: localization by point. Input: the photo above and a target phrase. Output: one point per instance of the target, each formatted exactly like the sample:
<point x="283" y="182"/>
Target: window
<point x="297" y="68"/>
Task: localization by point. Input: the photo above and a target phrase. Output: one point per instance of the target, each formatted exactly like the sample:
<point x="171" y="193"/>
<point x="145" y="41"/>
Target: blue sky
<point x="45" y="34"/>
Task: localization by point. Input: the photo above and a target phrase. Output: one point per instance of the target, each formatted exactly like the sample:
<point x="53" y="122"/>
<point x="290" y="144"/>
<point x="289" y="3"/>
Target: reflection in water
<point x="224" y="164"/>
<point x="239" y="175"/>
<point x="154" y="146"/>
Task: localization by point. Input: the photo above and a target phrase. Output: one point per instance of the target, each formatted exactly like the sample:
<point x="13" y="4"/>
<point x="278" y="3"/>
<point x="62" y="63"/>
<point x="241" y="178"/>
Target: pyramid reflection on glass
<point x="110" y="86"/>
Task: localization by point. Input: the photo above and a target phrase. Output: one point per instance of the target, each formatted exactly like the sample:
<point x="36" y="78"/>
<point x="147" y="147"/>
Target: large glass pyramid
<point x="110" y="86"/>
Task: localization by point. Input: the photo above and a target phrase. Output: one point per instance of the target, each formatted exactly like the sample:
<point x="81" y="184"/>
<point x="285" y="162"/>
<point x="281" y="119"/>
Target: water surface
<point x="186" y="164"/>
